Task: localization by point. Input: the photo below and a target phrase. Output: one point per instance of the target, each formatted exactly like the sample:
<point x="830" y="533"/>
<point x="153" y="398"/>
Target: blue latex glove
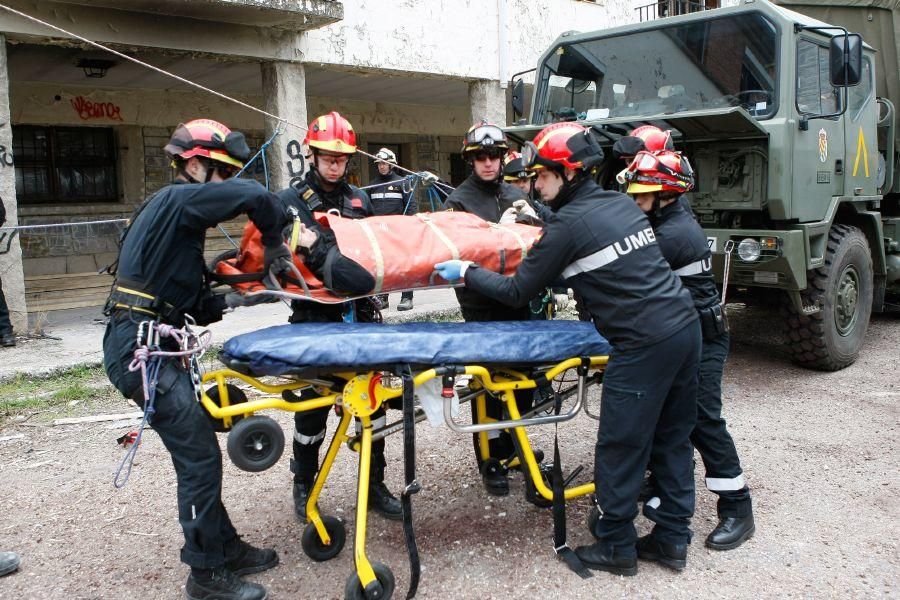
<point x="452" y="270"/>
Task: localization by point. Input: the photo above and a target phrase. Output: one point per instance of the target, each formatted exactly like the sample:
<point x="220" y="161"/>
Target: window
<point x="815" y="94"/>
<point x="859" y="95"/>
<point x="64" y="164"/>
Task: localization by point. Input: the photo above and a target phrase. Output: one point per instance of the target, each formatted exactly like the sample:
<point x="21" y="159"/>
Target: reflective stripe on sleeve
<point x="598" y="259"/>
<point x="387" y="195"/>
<point x="721" y="484"/>
<point x="695" y="268"/>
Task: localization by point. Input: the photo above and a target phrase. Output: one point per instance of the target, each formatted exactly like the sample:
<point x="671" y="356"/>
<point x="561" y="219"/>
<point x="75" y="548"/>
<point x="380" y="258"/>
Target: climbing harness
<point x="149" y="357"/>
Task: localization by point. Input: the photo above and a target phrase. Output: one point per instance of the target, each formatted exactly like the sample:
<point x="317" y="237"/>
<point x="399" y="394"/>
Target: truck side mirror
<point x="845" y="60"/>
<point x="518" y="99"/>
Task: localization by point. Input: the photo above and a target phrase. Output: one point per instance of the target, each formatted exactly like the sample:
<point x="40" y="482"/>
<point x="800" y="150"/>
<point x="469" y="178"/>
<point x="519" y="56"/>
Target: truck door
<point x="820" y="162"/>
<point x="862" y="177"/>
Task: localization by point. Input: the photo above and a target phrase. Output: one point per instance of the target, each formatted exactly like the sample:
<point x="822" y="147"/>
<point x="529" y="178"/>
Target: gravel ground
<point x="820" y="451"/>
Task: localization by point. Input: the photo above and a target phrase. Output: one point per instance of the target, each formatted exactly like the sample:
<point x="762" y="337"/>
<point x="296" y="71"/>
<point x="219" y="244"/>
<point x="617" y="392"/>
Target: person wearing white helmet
<point x="389" y="198"/>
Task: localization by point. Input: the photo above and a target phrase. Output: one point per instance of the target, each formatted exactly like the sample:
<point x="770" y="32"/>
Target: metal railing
<point x="671" y="8"/>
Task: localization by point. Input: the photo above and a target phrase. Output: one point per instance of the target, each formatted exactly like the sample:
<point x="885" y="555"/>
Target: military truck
<point x="789" y="123"/>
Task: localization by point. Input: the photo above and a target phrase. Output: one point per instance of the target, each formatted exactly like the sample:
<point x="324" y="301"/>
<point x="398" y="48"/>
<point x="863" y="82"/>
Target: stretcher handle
<point x="512" y="423"/>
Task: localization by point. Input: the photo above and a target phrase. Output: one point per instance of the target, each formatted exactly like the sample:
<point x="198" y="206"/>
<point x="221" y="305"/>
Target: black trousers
<point x="500" y="443"/>
<point x="648" y="411"/>
<point x="309" y="426"/>
<point x="309" y="435"/>
<point x="711" y="438"/>
<point x="5" y="324"/>
<point x="185" y="430"/>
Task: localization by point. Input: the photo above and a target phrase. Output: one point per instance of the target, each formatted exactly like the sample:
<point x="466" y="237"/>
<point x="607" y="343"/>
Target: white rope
<point x="49" y="225"/>
<point x="281" y="120"/>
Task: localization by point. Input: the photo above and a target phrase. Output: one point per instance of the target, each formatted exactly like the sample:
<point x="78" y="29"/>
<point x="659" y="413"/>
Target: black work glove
<point x="278" y="260"/>
<point x="236" y="299"/>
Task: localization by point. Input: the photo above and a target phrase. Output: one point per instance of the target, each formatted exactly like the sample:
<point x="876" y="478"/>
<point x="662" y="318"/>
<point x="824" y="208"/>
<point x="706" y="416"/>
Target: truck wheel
<point x="830" y="339"/>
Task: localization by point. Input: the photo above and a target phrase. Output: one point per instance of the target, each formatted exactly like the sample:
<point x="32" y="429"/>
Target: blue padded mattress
<point x="305" y="347"/>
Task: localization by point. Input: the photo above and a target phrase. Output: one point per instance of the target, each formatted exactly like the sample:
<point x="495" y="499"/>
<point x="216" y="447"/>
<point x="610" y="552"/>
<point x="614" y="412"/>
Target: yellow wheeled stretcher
<point x="355" y="367"/>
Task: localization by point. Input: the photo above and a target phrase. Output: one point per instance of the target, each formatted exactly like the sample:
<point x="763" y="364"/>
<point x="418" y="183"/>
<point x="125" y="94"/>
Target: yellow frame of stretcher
<point x="501" y="386"/>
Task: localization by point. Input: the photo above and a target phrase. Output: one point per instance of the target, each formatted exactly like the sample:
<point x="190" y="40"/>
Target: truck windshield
<point x="728" y="61"/>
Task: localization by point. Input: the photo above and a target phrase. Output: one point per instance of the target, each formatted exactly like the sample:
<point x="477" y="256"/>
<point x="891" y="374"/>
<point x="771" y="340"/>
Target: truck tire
<point x="830" y="339"/>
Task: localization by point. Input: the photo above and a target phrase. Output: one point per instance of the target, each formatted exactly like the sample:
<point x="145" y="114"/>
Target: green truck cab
<point x="796" y="171"/>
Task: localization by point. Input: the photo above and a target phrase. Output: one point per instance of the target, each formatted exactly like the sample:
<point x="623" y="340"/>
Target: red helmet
<point x="332" y="133"/>
<point x="661" y="171"/>
<point x="654" y="138"/>
<point x="562" y="145"/>
<point x="210" y="139"/>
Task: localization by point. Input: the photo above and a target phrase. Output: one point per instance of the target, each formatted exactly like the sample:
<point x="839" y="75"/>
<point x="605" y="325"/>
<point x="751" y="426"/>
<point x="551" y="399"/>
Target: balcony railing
<point x="671" y="8"/>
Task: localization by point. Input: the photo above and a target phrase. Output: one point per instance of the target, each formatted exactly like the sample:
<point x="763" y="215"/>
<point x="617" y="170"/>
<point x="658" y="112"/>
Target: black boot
<point x="382" y="501"/>
<point x="602" y="557"/>
<point x="673" y="556"/>
<point x="731" y="532"/>
<point x="302" y="490"/>
<point x="8" y="339"/>
<point x="249" y="559"/>
<point x="494" y="476"/>
<point x="221" y="584"/>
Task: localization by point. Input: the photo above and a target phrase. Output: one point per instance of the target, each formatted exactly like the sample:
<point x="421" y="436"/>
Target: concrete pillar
<point x="487" y="100"/>
<point x="10" y="262"/>
<point x="284" y="89"/>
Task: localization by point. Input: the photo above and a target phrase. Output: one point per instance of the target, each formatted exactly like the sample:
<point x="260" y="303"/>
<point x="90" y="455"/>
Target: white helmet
<point x="385" y="155"/>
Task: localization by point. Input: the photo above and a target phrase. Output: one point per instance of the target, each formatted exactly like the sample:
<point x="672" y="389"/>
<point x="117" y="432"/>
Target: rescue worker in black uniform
<point x="657" y="182"/>
<point x="332" y="142"/>
<point x="485" y="194"/>
<point x="389" y="198"/>
<point x="515" y="173"/>
<point x="7" y="337"/>
<point x="161" y="276"/>
<point x="604" y="247"/>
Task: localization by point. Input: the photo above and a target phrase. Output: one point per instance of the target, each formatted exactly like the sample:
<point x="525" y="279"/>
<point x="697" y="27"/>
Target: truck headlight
<point x="749" y="250"/>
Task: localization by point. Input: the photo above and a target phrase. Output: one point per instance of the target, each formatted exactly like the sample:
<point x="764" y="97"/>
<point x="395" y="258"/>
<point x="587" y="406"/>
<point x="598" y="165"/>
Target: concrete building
<point x="81" y="130"/>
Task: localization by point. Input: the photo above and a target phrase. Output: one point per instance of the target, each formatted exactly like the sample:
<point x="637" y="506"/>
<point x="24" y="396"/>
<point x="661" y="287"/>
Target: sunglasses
<point x="487" y="155"/>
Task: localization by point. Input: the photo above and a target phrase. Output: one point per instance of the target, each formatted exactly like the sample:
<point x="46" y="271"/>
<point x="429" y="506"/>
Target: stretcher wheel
<point x="382" y="589"/>
<point x="235" y="396"/>
<point x="313" y="546"/>
<point x="256" y="443"/>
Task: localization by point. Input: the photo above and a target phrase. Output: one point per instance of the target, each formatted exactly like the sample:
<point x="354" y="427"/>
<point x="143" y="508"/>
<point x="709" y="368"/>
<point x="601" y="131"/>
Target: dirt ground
<point x="820" y="451"/>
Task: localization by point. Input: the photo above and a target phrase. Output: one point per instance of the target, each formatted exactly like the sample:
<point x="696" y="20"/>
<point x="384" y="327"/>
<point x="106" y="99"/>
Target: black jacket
<point x="488" y="201"/>
<point x="389" y="198"/>
<point x="604" y="247"/>
<point x="683" y="245"/>
<point x="162" y="252"/>
<point x="347" y="199"/>
<point x="336" y="271"/>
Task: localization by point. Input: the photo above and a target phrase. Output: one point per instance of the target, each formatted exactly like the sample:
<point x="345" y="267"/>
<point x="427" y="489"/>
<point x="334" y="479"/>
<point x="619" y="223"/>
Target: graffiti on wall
<point x="295" y="154"/>
<point x="88" y="110"/>
<point x="6" y="159"/>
